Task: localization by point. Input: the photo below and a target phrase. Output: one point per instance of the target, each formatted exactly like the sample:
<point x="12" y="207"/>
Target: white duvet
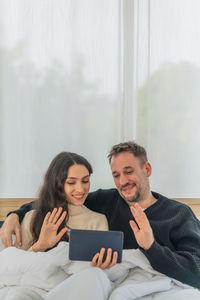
<point x="134" y="278"/>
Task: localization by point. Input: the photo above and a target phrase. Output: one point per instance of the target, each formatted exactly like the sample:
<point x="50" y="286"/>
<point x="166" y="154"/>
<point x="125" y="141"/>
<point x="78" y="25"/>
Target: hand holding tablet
<point x="84" y="244"/>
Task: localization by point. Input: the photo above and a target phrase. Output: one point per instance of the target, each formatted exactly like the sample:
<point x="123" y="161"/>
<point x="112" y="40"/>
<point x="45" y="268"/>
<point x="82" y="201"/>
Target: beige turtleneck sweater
<point x="80" y="217"/>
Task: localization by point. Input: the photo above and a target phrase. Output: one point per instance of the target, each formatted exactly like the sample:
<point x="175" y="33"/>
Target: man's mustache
<point x="126" y="185"/>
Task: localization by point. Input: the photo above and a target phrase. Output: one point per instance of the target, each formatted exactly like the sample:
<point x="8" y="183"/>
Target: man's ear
<point x="147" y="168"/>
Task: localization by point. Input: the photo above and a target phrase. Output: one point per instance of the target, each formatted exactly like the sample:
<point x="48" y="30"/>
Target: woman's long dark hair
<point x="52" y="191"/>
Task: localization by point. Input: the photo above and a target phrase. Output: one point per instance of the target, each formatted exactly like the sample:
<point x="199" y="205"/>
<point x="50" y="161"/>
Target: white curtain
<point x="167" y="85"/>
<point x="82" y="75"/>
<point x="60" y="87"/>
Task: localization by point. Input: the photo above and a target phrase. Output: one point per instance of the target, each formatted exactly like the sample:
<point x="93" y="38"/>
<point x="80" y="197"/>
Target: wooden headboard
<point x="8" y="204"/>
<point x="194" y="203"/>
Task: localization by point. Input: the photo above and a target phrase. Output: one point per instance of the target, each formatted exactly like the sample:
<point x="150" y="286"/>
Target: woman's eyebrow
<point x="78" y="178"/>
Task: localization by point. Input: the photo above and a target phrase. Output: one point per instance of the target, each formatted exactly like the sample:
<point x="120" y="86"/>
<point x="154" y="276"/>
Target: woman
<point x="61" y="201"/>
<point x="60" y="207"/>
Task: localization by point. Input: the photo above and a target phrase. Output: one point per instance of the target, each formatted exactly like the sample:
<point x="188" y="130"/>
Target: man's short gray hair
<point x="132" y="147"/>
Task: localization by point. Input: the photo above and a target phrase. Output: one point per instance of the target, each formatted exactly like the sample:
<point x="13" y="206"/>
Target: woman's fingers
<point x="98" y="258"/>
<point x="107" y="261"/>
<point x="46" y="219"/>
<point x="52" y="215"/>
<point x="61" y="233"/>
<point x="94" y="260"/>
<point x="62" y="217"/>
<point x="114" y="260"/>
<point x="101" y="255"/>
<point x="57" y="215"/>
<point x="110" y="260"/>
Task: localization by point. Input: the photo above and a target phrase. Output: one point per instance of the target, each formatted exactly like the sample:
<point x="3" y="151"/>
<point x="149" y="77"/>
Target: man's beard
<point x="135" y="198"/>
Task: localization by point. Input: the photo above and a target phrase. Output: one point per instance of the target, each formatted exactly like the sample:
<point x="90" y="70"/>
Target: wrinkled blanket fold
<point x="134" y="278"/>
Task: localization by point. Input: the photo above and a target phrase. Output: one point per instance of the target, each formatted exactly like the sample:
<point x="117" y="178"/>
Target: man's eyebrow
<point x="128" y="167"/>
<point x="78" y="178"/>
<point x="114" y="172"/>
<point x="125" y="168"/>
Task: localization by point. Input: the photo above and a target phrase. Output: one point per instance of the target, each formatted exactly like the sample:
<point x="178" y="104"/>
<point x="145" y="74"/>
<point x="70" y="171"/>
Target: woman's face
<point x="77" y="184"/>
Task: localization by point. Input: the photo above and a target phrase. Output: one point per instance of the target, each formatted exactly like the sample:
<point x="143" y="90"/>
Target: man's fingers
<point x="139" y="215"/>
<point x="142" y="216"/>
<point x="9" y="227"/>
<point x="136" y="215"/>
<point x="134" y="227"/>
<point x="6" y="236"/>
<point x="18" y="237"/>
<point x="7" y="240"/>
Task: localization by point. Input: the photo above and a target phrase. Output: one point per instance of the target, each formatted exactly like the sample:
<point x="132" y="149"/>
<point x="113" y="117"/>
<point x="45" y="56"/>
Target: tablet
<point x="84" y="244"/>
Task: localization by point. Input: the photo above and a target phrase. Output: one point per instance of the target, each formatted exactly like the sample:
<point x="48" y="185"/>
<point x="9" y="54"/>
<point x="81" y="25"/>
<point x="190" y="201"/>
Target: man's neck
<point x="148" y="201"/>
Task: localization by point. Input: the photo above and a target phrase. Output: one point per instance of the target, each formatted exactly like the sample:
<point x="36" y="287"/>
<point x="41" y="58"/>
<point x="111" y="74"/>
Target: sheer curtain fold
<point x="59" y="88"/>
<point x="168" y="71"/>
<point x="82" y="75"/>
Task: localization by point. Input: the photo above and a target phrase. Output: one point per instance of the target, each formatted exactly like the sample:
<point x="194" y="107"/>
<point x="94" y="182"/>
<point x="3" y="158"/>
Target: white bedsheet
<point x="134" y="278"/>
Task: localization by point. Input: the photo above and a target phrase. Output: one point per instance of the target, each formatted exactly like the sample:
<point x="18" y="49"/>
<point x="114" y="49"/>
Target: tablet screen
<point x="84" y="244"/>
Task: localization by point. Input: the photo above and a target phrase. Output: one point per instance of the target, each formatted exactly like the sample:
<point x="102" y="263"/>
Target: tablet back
<point x="84" y="244"/>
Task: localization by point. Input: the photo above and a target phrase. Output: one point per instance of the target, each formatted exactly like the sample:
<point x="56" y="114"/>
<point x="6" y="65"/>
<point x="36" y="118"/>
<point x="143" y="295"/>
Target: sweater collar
<point x="75" y="210"/>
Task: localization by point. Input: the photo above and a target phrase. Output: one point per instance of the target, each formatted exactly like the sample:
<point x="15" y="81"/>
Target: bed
<point x="9" y="204"/>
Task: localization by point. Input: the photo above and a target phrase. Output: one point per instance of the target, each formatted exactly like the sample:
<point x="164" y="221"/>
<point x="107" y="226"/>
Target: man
<point x="166" y="231"/>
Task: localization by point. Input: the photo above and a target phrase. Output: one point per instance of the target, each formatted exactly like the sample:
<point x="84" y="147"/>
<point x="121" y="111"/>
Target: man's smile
<point x="128" y="187"/>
